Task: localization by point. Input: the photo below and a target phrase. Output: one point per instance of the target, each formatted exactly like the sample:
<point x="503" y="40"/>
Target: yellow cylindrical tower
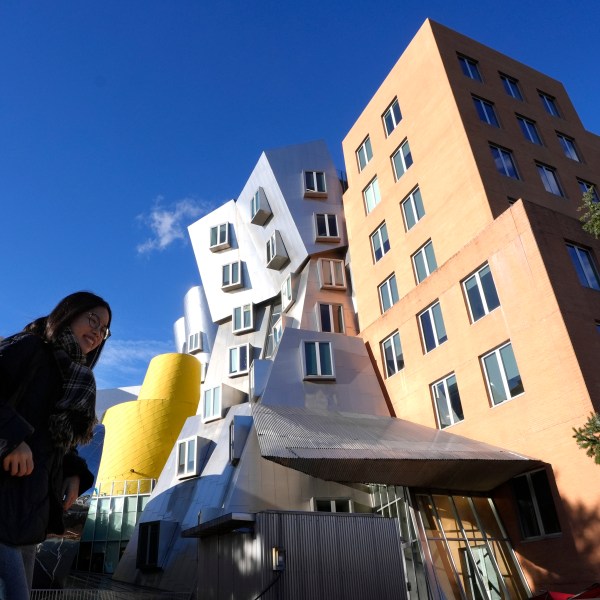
<point x="139" y="435"/>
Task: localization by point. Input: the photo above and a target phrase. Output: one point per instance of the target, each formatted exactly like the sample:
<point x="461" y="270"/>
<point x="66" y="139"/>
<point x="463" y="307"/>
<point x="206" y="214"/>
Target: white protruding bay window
<point x="260" y="211"/>
<point x="242" y="318"/>
<point x="239" y="360"/>
<point x="232" y="276"/>
<point x="277" y="255"/>
<point x="187" y="457"/>
<point x="219" y="237"/>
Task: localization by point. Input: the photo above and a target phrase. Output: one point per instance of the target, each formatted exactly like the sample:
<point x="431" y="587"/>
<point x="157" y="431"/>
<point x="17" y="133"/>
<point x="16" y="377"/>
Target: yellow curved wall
<point x="140" y="435"/>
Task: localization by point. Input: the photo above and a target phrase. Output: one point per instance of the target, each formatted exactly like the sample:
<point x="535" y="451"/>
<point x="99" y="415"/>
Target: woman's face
<point x="90" y="337"/>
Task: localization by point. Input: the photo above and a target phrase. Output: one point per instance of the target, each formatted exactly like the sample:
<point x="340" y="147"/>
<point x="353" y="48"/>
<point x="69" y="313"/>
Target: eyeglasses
<point x="94" y="321"/>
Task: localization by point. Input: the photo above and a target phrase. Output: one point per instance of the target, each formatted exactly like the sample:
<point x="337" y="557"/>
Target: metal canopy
<point x="356" y="448"/>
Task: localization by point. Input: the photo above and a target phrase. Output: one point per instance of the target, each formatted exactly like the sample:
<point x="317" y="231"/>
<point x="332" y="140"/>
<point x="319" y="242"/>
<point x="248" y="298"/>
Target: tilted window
<point x="502" y="374"/>
<point x="402" y="160"/>
<point x="446" y="398"/>
<point x="231" y="276"/>
<point x="424" y="261"/>
<point x="433" y="330"/>
<point x="393" y="359"/>
<point x="239" y="360"/>
<point x="481" y="294"/>
<point x="380" y="243"/>
<point x="364" y="154"/>
<point x="392" y="117"/>
<point x="412" y="209"/>
<point x="219" y="237"/>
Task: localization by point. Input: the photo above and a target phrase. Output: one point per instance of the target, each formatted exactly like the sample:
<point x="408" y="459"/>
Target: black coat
<point x="30" y="386"/>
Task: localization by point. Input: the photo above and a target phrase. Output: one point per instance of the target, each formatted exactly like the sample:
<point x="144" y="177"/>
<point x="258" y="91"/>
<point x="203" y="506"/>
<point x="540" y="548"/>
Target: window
<point x="529" y="130"/>
<point x="388" y="293"/>
<point x="402" y="160"/>
<point x="549" y="179"/>
<point x="287" y="292"/>
<point x="371" y="195"/>
<point x="242" y="318"/>
<point x="486" y="111"/>
<point x="502" y="374"/>
<point x="549" y="103"/>
<point x="147" y="550"/>
<point x="277" y="255"/>
<point x="392" y="354"/>
<point x="424" y="262"/>
<point x="511" y="87"/>
<point x="537" y="513"/>
<point x="260" y="211"/>
<point x="504" y="162"/>
<point x="239" y="360"/>
<point x="332" y="273"/>
<point x="275" y="331"/>
<point x="232" y="276"/>
<point x="195" y="343"/>
<point x="481" y="293"/>
<point x="412" y="209"/>
<point x="392" y="117"/>
<point x="431" y="324"/>
<point x="331" y="317"/>
<point x="380" y="243"/>
<point x="318" y="360"/>
<point x="211" y="405"/>
<point x="364" y="154"/>
<point x="314" y="182"/>
<point x="469" y="68"/>
<point x="585" y="266"/>
<point x="187" y="457"/>
<point x="219" y="237"/>
<point x="586" y="187"/>
<point x="337" y="505"/>
<point x="568" y="146"/>
<point x="327" y="227"/>
<point x="446" y="399"/>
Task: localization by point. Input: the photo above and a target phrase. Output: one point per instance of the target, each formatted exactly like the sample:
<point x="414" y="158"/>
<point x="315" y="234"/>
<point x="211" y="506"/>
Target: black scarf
<point x="74" y="417"/>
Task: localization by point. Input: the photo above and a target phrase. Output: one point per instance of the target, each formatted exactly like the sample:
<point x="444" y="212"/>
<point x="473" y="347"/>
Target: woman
<point x="47" y="407"/>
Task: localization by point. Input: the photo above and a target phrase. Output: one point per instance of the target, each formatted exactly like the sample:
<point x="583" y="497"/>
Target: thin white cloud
<point x="168" y="224"/>
<point x="124" y="363"/>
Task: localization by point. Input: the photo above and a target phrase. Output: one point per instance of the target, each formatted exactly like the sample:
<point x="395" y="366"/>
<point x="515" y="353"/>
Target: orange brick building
<point x="477" y="290"/>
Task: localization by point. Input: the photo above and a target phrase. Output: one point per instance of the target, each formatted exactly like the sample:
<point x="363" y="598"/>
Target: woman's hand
<point x="19" y="462"/>
<point x="70" y="491"/>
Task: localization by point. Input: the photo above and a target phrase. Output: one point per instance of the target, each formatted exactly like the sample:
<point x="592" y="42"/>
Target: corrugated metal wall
<point x="328" y="556"/>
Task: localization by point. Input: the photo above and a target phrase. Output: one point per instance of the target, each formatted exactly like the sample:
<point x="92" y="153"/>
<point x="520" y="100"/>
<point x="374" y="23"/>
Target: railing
<point x="128" y="487"/>
<point x="108" y="595"/>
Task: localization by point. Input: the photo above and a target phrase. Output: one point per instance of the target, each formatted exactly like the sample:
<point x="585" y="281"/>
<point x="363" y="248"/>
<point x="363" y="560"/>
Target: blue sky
<point x="123" y="122"/>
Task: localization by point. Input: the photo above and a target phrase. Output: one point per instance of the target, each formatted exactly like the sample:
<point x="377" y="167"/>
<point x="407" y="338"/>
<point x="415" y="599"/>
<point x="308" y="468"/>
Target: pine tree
<point x="588" y="437"/>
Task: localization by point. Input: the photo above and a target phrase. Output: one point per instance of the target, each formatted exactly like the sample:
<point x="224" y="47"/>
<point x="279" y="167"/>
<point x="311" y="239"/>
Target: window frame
<point x="371" y="188"/>
<point x="260" y="210"/>
<point x="364" y="154"/>
<point x="484" y="109"/>
<point x="244" y="324"/>
<point x="497" y="353"/>
<point x="550" y="179"/>
<point x="239" y="350"/>
<point x="333" y="272"/>
<point x="287" y="293"/>
<point x="410" y="201"/>
<point x="189" y="468"/>
<point x="529" y="130"/>
<point x="315" y="183"/>
<point x="422" y="252"/>
<point x="194" y="342"/>
<point x="216" y="404"/>
<point x="318" y="357"/>
<point x="336" y="317"/>
<point x="450" y="405"/>
<point x="232" y="285"/>
<point x="328" y="236"/>
<point x="567" y="143"/>
<point x="383" y="245"/>
<point x="511" y="86"/>
<point x="395" y="118"/>
<point x="588" y="273"/>
<point x="585" y="187"/>
<point x="221" y="241"/>
<point x="549" y="104"/>
<point x="482" y="295"/>
<point x="405" y="162"/>
<point x="470" y="67"/>
<point x="506" y="156"/>
<point x="386" y="286"/>
<point x="398" y="359"/>
<point x="432" y="320"/>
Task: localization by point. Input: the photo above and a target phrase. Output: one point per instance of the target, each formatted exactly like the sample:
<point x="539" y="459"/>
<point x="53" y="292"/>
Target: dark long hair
<point x="64" y="313"/>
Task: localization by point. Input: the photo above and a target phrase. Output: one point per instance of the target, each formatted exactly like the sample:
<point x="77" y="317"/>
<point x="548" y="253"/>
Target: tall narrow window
<point x="211" y="401"/>
<point x="486" y="111"/>
<point x="585" y="266"/>
<point x="549" y="179"/>
<point x="287" y="296"/>
<point x="388" y="293"/>
<point x="537" y="513"/>
<point x="586" y="186"/>
<point x="331" y="317"/>
<point x="318" y="360"/>
<point x="502" y="374"/>
<point x="242" y="318"/>
<point x="239" y="360"/>
<point x="568" y="146"/>
<point x="529" y="130"/>
<point x="433" y="331"/>
<point x="393" y="358"/>
<point x="232" y="276"/>
<point x="413" y="209"/>
<point x="504" y="162"/>
<point x="219" y="237"/>
<point x="402" y="160"/>
<point x="469" y="68"/>
<point x="424" y="262"/>
<point x="481" y="293"/>
<point x="187" y="457"/>
<point x="260" y="211"/>
<point x="364" y="154"/>
<point x="195" y="342"/>
<point x="371" y="195"/>
<point x="327" y="228"/>
<point x="392" y="117"/>
<point x="511" y="87"/>
<point x="277" y="255"/>
<point x="549" y="103"/>
<point x="446" y="398"/>
<point x="380" y="243"/>
<point x="332" y="273"/>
